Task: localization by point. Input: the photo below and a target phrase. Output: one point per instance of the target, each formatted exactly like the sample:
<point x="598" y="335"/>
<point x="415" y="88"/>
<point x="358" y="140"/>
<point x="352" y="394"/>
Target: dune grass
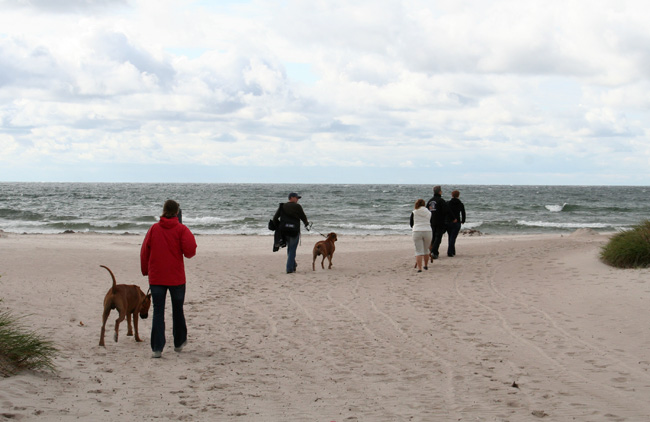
<point x="21" y="348"/>
<point x="629" y="249"/>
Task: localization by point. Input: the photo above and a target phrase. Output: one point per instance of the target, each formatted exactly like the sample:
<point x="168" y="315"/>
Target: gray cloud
<point x="116" y="47"/>
<point x="65" y="6"/>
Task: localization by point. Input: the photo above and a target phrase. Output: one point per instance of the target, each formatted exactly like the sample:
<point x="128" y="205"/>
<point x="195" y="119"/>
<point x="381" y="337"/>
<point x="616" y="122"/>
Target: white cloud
<point x="462" y="85"/>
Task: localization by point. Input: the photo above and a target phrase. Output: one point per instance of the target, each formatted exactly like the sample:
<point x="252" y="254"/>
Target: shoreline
<point x="513" y="327"/>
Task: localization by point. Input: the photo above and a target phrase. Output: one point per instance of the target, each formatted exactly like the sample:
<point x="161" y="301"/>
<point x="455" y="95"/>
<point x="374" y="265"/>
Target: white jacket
<point x="421" y="220"/>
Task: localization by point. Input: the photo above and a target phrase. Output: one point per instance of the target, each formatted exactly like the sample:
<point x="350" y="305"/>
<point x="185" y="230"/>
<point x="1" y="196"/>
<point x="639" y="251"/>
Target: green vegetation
<point x="22" y="349"/>
<point x="629" y="249"/>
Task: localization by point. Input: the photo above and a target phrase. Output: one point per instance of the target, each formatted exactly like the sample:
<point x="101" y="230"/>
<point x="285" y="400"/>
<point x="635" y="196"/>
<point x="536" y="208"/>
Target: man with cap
<point x="287" y="218"/>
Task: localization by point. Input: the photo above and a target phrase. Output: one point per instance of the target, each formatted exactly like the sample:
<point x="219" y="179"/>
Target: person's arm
<point x="303" y="216"/>
<point x="145" y="252"/>
<point x="276" y="217"/>
<point x="462" y="213"/>
<point x="188" y="243"/>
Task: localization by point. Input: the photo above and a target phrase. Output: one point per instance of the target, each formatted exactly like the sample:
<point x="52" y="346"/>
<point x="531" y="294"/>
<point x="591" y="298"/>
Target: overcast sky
<point x="340" y="91"/>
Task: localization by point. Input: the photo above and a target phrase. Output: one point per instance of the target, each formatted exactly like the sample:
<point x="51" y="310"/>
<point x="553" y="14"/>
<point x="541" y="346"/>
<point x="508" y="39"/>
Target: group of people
<point x="430" y="221"/>
<point x="168" y="241"/>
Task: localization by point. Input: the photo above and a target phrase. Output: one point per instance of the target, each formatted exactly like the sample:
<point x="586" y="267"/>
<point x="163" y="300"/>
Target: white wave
<point x="563" y="225"/>
<point x="472" y="225"/>
<point x="207" y="220"/>
<point x="555" y="208"/>
<point x="375" y="227"/>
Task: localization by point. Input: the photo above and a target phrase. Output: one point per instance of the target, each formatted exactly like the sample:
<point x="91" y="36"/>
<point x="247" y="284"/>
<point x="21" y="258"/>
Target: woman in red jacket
<point x="161" y="258"/>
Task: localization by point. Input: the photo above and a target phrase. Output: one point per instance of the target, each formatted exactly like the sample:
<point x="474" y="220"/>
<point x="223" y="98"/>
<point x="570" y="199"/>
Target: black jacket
<point x="457" y="210"/>
<point x="439" y="211"/>
<point x="292" y="210"/>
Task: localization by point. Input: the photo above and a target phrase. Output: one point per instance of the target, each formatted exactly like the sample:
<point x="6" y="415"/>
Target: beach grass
<point x="21" y="348"/>
<point x="630" y="248"/>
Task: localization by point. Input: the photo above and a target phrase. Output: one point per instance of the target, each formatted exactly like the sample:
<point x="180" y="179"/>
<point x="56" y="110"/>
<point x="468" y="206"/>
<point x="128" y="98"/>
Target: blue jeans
<point x="452" y="232"/>
<point x="292" y="246"/>
<point x="158" y="298"/>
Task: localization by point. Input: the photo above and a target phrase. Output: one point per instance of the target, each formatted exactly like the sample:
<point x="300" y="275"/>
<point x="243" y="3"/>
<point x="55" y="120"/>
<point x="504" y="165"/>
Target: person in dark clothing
<point x="457" y="211"/>
<point x="287" y="220"/>
<point x="439" y="219"/>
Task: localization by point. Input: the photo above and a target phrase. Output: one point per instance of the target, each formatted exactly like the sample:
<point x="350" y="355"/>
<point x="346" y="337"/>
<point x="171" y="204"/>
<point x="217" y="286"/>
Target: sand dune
<point x="514" y="328"/>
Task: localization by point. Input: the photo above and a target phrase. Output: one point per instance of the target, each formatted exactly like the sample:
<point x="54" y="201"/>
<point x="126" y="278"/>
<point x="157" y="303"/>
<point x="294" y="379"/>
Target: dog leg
<point x="128" y="321"/>
<point x="313" y="263"/>
<point x="330" y="259"/>
<point x="104" y="318"/>
<point x="117" y="324"/>
<point x="322" y="263"/>
<point x="135" y="326"/>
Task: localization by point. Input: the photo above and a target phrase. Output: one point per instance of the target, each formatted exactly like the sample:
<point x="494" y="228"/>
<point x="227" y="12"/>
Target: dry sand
<point x="514" y="328"/>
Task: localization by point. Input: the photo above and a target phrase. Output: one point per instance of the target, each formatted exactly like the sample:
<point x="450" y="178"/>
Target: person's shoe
<point x="180" y="348"/>
<point x="290" y="272"/>
<point x="419" y="271"/>
<point x="426" y="268"/>
<point x="433" y="256"/>
<point x="156" y="354"/>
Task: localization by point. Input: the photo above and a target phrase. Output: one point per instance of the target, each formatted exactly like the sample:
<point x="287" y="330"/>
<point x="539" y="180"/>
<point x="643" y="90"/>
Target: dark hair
<point x="437" y="189"/>
<point x="455" y="194"/>
<point x="170" y="209"/>
<point x="419" y="203"/>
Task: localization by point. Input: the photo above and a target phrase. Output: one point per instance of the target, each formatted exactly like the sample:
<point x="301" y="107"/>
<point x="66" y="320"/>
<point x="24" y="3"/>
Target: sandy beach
<point x="514" y="328"/>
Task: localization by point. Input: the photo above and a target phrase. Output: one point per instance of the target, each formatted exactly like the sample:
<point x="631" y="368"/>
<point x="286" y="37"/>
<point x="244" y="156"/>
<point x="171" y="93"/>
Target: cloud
<point x="455" y="85"/>
<point x="67" y="6"/>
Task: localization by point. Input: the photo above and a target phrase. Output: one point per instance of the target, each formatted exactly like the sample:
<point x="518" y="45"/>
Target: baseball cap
<point x="294" y="195"/>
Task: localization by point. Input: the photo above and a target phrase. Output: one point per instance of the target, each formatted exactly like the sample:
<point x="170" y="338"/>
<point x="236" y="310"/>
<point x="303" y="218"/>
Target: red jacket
<point x="161" y="256"/>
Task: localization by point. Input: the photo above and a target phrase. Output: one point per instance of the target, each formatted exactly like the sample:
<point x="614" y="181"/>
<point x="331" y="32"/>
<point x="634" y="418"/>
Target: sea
<point x="352" y="209"/>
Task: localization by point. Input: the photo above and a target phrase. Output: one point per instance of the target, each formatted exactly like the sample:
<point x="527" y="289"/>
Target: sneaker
<point x="156" y="354"/>
<point x="180" y="348"/>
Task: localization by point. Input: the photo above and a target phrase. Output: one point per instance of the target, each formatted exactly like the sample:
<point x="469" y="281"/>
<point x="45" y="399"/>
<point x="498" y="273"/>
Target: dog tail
<point x="112" y="276"/>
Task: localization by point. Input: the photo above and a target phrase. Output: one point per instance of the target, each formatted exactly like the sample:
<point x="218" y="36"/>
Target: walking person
<point x="421" y="226"/>
<point x="457" y="211"/>
<point x="439" y="218"/>
<point x="161" y="258"/>
<point x="287" y="219"/>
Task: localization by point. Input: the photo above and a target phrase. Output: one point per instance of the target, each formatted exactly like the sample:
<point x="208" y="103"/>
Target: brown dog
<point x="129" y="300"/>
<point x="325" y="248"/>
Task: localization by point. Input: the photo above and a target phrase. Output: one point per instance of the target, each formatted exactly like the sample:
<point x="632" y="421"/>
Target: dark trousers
<point x="436" y="239"/>
<point x="158" y="298"/>
<point x="452" y="233"/>
<point x="292" y="246"/>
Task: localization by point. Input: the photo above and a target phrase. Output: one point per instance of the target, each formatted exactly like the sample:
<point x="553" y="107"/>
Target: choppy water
<point x="345" y="209"/>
